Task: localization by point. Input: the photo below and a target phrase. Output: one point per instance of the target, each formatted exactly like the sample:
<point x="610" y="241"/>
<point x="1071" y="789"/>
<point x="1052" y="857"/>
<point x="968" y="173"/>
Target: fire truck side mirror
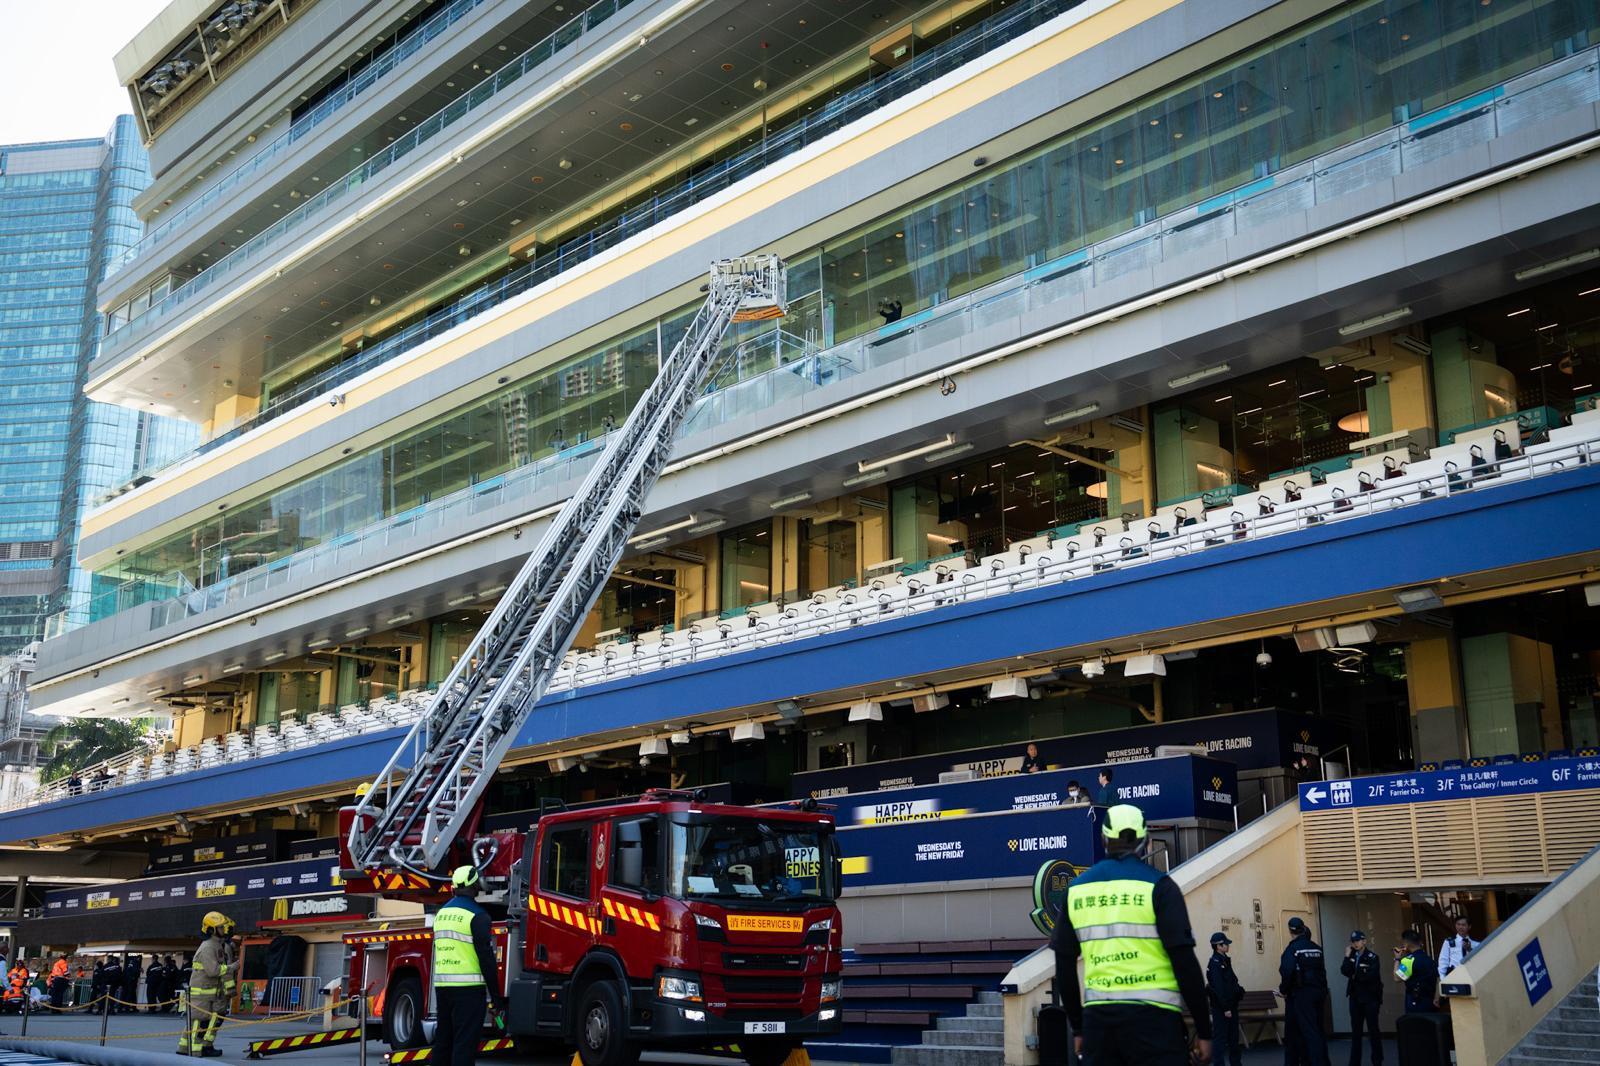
<point x="630" y="855"/>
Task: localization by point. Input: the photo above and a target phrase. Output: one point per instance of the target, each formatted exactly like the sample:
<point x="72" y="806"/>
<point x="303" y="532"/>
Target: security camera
<point x="1263" y="659"/>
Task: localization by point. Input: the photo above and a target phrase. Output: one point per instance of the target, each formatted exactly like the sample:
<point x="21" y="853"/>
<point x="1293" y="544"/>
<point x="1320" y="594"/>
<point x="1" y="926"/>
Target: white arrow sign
<point x="1315" y="795"/>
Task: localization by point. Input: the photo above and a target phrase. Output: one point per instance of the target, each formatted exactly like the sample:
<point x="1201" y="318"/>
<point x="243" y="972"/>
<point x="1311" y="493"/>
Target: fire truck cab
<point x="660" y="923"/>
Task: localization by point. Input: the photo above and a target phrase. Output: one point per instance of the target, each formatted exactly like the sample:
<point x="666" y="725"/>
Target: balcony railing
<point x="372" y="74"/>
<point x="1376" y="486"/>
<point x="1566" y="84"/>
<point x="1320" y="180"/>
<point x="512" y="77"/>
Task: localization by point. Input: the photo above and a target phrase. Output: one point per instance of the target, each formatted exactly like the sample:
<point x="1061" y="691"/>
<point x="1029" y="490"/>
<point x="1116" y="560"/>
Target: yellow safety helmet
<point x="214" y="922"/>
<point x="464" y="877"/>
<point x="228" y="926"/>
<point x="363" y="788"/>
<point x="1122" y="819"/>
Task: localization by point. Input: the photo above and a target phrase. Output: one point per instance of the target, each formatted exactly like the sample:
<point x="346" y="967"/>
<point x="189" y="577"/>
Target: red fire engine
<point x="658" y="923"/>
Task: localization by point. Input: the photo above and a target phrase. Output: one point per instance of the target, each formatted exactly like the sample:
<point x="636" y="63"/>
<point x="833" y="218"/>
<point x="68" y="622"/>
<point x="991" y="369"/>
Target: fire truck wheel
<point x="402" y="1015"/>
<point x="602" y="1035"/>
<point x="766" y="1052"/>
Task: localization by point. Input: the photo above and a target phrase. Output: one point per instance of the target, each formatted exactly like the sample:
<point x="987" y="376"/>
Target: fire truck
<point x="660" y="922"/>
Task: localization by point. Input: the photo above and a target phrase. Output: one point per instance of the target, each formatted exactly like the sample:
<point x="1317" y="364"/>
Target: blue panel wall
<point x="1487" y="528"/>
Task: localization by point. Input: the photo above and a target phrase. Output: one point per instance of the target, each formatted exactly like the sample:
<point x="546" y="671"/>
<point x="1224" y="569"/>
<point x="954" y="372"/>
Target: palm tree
<point x="81" y="742"/>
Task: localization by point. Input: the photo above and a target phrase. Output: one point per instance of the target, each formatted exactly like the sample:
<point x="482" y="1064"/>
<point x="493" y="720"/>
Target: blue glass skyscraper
<point x="65" y="211"/>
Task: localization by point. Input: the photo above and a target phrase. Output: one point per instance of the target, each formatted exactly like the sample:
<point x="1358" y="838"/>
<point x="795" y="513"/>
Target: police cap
<point x="1219" y="938"/>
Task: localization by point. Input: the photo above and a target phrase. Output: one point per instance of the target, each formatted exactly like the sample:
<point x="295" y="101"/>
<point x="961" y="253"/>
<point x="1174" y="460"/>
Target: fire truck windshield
<point x="735" y="860"/>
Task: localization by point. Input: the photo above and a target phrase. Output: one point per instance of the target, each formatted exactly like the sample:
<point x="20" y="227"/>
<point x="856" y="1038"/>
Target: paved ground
<point x="160" y="1033"/>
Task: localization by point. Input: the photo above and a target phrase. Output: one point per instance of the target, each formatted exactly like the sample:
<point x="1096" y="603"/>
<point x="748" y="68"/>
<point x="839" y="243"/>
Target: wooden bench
<point x="1260" y="1009"/>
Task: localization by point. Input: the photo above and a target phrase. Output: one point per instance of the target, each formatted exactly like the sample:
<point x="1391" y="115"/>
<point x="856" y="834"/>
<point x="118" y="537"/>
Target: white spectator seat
<point x="183" y="760"/>
<point x="236" y="747"/>
<point x="1507" y="433"/>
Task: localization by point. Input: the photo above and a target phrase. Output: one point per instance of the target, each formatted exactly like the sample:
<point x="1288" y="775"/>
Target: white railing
<point x="1040" y="562"/>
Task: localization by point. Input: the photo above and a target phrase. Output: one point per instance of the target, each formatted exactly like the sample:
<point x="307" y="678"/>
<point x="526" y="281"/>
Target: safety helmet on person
<point x="465" y="879"/>
<point x="214" y="922"/>
<point x="1123" y="822"/>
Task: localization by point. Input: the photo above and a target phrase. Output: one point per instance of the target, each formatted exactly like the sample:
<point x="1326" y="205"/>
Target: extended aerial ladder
<point x="426" y="799"/>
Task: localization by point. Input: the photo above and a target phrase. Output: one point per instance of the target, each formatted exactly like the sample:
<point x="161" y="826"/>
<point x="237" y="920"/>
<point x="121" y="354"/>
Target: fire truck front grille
<point x="745" y="960"/>
<point x="787" y="987"/>
<point x="764" y="1014"/>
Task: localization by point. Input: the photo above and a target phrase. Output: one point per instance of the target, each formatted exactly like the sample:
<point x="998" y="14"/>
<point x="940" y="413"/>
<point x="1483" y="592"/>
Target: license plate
<point x="764" y="1028"/>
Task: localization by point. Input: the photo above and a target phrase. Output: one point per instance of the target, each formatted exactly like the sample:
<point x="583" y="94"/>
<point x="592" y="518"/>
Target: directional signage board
<point x="1476" y="782"/>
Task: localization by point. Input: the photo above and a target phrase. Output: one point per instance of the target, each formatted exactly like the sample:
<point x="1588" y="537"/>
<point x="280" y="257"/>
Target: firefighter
<point x="210" y="969"/>
<point x="1131" y="926"/>
<point x="230" y="976"/>
<point x="463" y="971"/>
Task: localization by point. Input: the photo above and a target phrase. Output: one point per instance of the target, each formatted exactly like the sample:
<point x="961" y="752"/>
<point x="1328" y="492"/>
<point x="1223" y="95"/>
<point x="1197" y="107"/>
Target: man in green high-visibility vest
<point x="1131" y="927"/>
<point x="464" y="972"/>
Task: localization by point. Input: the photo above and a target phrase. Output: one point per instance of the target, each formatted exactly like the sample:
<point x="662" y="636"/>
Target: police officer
<point x="1364" y="988"/>
<point x="1415" y="968"/>
<point x="1226" y="994"/>
<point x="210" y="968"/>
<point x="1304" y="984"/>
<point x="1131" y="926"/>
<point x="463" y="971"/>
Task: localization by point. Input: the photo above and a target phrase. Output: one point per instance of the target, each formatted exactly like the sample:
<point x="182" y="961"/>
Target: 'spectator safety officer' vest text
<point x="1123" y="959"/>
<point x="455" y="960"/>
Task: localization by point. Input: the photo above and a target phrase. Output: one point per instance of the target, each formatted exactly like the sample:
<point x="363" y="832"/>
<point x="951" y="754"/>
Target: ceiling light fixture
<point x="671" y="527"/>
<point x="864" y="465"/>
<point x="1576" y="259"/>
<point x="1075" y="415"/>
<point x="1374" y="322"/>
<point x="789" y="501"/>
<point x="1198" y="375"/>
<point x="358" y="631"/>
<point x="950" y="453"/>
<point x="320" y="643"/>
<point x="398" y="619"/>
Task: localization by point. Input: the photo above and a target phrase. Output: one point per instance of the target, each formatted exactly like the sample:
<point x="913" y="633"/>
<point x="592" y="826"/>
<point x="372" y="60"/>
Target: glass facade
<point x="65" y="208"/>
<point x="1358" y="69"/>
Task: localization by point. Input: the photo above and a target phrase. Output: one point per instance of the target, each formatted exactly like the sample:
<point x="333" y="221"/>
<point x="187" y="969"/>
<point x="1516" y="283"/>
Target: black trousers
<point x="1127" y="1034"/>
<point x="1226" y="1047"/>
<point x="459" y="1014"/>
<point x="1304" y="1042"/>
<point x="1365" y="1016"/>
<point x="58" y="991"/>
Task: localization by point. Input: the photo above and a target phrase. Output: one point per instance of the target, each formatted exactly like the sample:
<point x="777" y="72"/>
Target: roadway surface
<point x="145" y="1032"/>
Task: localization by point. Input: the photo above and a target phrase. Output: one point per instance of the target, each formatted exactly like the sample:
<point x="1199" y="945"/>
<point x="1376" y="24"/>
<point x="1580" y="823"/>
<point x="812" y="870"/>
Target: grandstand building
<point x="1147" y="362"/>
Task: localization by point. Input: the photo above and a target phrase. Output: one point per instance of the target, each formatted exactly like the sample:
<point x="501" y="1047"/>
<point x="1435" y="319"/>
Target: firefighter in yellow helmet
<point x="1131" y="927"/>
<point x="210" y="972"/>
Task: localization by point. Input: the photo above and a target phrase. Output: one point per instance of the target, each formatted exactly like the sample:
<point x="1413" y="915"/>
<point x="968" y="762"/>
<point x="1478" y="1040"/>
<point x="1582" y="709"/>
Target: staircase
<point x="1568" y="1034"/>
<point x="976" y="1038"/>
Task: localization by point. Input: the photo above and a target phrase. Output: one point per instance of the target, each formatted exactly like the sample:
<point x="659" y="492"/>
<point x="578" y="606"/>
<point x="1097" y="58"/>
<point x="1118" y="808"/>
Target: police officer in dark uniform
<point x="1223" y="986"/>
<point x="1304" y="984"/>
<point x="1363" y="972"/>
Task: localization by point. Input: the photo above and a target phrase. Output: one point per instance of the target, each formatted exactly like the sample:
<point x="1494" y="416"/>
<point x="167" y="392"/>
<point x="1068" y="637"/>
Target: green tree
<point x="78" y="743"/>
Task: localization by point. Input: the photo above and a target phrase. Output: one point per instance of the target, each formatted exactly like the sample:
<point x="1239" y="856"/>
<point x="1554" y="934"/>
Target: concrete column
<point x="1468" y="385"/>
<point x="1401" y="398"/>
<point x="1438" y="707"/>
<point x="1189" y="455"/>
<point x="1512" y="704"/>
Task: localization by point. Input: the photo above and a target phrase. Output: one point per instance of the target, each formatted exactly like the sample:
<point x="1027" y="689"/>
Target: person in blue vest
<point x="1130" y="925"/>
<point x="463" y="973"/>
<point x="1304" y="984"/>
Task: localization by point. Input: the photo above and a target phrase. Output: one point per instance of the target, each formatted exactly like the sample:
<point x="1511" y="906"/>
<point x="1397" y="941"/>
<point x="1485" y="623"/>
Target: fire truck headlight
<point x="709" y="928"/>
<point x="820" y="931"/>
<point x="683" y="988"/>
<point x="832" y="989"/>
<point x="693" y="1015"/>
<point x="826" y="1015"/>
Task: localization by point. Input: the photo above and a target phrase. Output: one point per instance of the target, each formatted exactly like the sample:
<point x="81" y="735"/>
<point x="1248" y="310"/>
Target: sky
<point x="55" y="65"/>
